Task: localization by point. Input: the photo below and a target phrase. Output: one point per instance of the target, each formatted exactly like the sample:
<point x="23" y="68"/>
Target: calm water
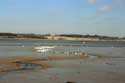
<point x="14" y="47"/>
<point x="15" y="42"/>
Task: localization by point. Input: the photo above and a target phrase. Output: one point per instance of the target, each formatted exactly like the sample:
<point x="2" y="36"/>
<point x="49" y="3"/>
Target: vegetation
<point x="90" y="36"/>
<point x="12" y="35"/>
<point x="61" y="36"/>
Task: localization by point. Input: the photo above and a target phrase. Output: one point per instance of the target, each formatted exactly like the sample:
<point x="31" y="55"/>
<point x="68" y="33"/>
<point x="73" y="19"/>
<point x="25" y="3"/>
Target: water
<point x="81" y="71"/>
<point x="16" y="42"/>
<point x="15" y="47"/>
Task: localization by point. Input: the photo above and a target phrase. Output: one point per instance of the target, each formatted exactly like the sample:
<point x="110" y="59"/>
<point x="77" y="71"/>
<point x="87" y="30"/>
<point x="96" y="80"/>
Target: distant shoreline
<point x="73" y="39"/>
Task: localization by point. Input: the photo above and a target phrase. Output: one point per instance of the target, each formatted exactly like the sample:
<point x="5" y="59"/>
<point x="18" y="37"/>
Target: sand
<point x="14" y="63"/>
<point x="61" y="69"/>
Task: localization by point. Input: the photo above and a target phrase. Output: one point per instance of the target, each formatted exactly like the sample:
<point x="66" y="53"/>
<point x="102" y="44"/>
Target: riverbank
<point x="82" y="38"/>
<point x="14" y="63"/>
<point x="69" y="39"/>
<point x="73" y="37"/>
<point x="62" y="71"/>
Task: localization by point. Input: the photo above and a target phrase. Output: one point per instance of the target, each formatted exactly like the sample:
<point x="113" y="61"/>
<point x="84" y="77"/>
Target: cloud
<point x="93" y="1"/>
<point x="104" y="9"/>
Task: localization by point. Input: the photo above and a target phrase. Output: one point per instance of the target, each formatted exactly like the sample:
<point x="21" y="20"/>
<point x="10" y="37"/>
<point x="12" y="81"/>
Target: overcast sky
<point x="102" y="17"/>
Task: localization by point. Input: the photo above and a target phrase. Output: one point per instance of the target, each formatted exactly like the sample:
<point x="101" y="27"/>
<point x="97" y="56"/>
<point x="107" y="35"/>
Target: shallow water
<point x="91" y="70"/>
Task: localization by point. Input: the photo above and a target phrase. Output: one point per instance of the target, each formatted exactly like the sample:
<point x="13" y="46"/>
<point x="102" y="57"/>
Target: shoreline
<point x="82" y="40"/>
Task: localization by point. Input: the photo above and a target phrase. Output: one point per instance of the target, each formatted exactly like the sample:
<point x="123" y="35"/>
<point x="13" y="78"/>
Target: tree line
<point x="44" y="36"/>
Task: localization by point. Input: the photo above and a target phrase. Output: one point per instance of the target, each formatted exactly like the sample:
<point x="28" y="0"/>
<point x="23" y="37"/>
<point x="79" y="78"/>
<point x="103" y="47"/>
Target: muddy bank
<point x="15" y="63"/>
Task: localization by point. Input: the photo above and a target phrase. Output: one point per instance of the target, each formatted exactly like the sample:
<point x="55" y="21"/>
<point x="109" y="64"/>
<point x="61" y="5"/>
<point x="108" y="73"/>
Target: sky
<point x="101" y="17"/>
